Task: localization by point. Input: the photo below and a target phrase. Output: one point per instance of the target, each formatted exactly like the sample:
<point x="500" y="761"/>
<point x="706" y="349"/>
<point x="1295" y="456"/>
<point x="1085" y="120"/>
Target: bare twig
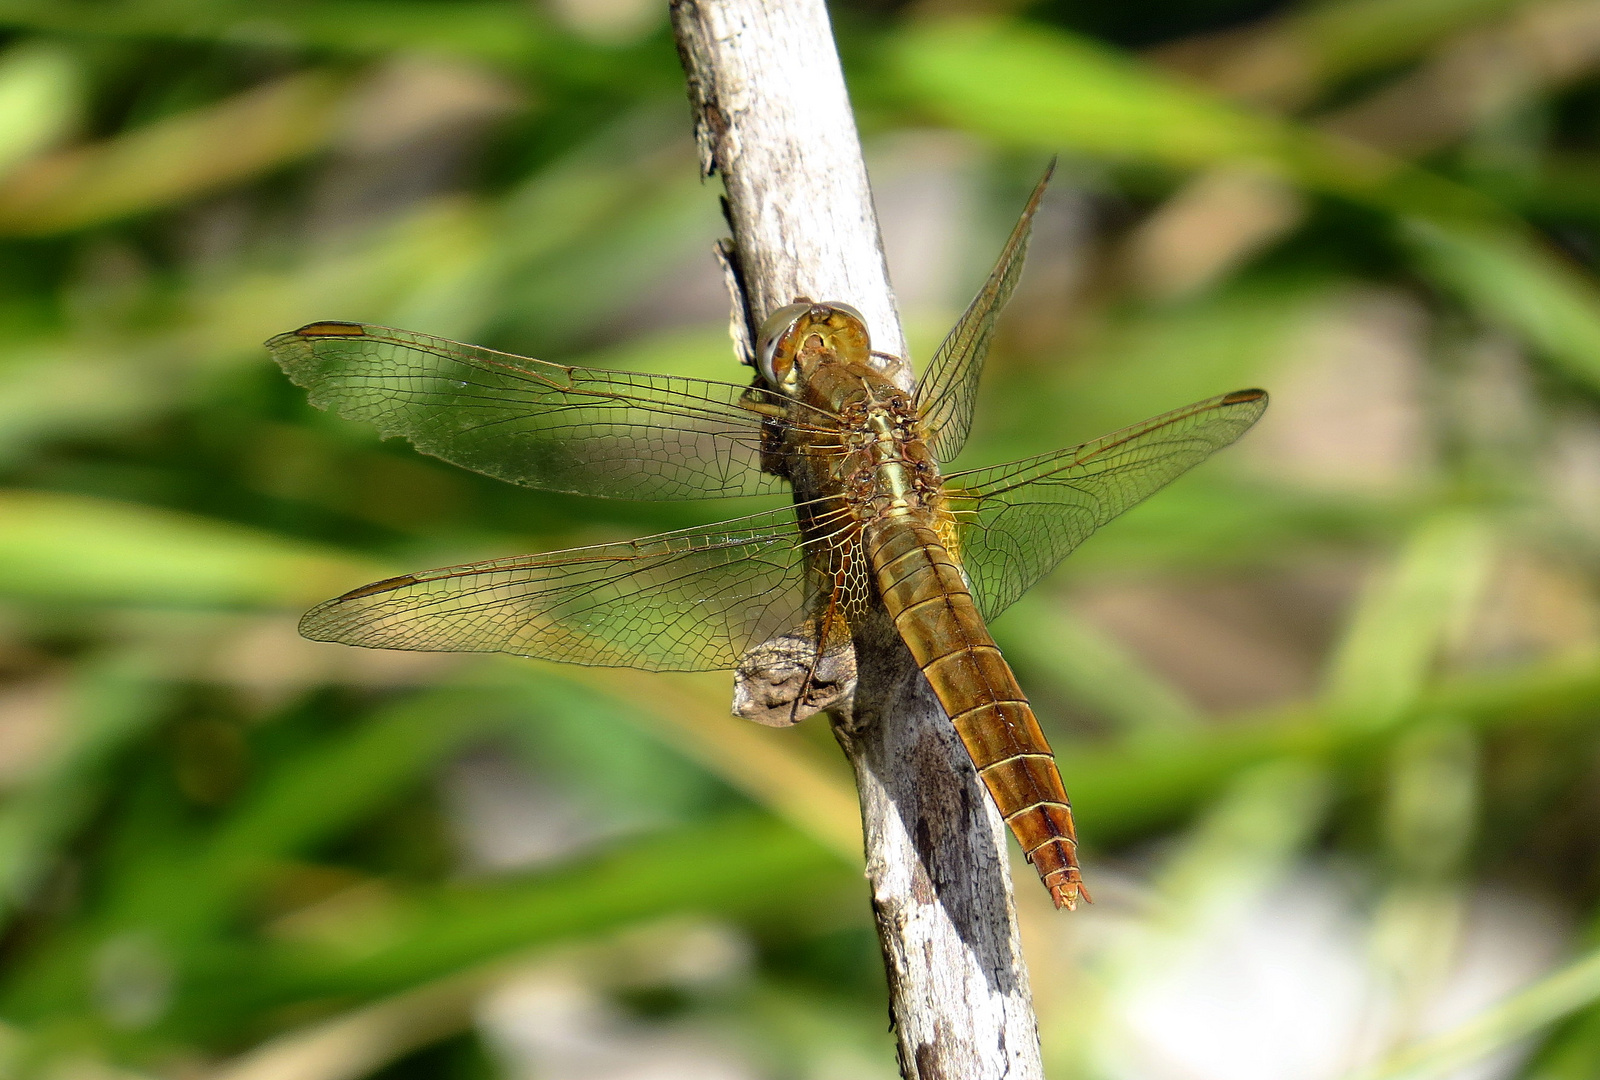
<point x="772" y="117"/>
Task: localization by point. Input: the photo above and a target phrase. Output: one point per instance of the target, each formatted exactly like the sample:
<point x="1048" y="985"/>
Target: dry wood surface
<point x="773" y="120"/>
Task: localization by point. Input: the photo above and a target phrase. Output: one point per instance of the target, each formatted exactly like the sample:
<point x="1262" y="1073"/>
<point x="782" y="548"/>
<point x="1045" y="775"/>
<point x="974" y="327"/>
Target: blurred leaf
<point x="1245" y="841"/>
<point x="1031" y="86"/>
<point x="68" y="549"/>
<point x="1348" y="37"/>
<point x="1144" y="361"/>
<point x="1552" y="303"/>
<point x="1027" y="85"/>
<point x="172" y="159"/>
<point x="1431" y="807"/>
<point x="493" y="29"/>
<point x="313" y="797"/>
<point x="1041" y="88"/>
<point x="742" y="866"/>
<point x="1571" y="1053"/>
<point x="183" y="898"/>
<point x="1406" y="615"/>
<point x="56" y="388"/>
<point x="40" y="100"/>
<point x="1429" y="819"/>
<point x="767" y="765"/>
<point x="359" y="1042"/>
<point x="110" y="703"/>
<point x="441" y="267"/>
<point x="1123" y="791"/>
<point x="1207" y="522"/>
<point x="1496" y="1028"/>
<point x="1066" y="652"/>
<point x="73" y="384"/>
<point x="1296" y="56"/>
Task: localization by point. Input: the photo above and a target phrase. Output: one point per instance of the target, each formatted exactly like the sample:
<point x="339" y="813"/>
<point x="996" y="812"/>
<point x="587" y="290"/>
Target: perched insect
<point x="873" y="521"/>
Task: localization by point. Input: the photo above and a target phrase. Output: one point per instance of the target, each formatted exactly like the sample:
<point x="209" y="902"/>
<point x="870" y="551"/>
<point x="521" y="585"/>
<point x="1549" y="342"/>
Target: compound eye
<point x="775" y="344"/>
<point x="850" y="311"/>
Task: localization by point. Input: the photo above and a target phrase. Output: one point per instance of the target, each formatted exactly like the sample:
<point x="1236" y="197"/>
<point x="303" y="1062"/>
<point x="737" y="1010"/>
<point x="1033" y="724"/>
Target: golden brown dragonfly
<point x="873" y="520"/>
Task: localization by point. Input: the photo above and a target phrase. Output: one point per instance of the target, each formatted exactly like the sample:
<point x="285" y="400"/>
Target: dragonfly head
<point x="798" y="336"/>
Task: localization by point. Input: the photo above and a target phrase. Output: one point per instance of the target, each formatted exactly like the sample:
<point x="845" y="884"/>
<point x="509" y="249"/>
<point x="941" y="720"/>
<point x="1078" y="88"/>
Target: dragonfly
<point x="874" y="525"/>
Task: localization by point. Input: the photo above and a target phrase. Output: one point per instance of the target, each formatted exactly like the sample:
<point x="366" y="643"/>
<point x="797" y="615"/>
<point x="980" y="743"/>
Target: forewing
<point x="1018" y="521"/>
<point x="617" y="434"/>
<point x="691" y="600"/>
<point x="948" y="391"/>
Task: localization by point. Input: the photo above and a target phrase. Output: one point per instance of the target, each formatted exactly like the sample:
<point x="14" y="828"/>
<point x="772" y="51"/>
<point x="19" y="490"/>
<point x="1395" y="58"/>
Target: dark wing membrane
<point x="948" y="391"/>
<point x="691" y="600"/>
<point x="617" y="434"/>
<point x="1019" y="520"/>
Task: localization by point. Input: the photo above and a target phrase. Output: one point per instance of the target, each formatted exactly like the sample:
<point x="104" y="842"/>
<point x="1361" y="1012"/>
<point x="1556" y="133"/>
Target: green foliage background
<point x="225" y="851"/>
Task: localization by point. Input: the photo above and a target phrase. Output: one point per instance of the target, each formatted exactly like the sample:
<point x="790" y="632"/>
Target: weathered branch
<point x="773" y="119"/>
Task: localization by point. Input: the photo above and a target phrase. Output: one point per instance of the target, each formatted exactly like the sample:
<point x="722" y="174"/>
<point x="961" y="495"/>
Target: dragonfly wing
<point x="1018" y="521"/>
<point x="949" y="388"/>
<point x="691" y="600"/>
<point x="618" y="434"/>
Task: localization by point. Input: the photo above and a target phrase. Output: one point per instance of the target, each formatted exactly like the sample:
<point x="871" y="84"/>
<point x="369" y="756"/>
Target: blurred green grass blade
<point x="1061" y="650"/>
<point x="500" y="30"/>
<point x="41" y="100"/>
<point x="629" y="162"/>
<point x="1337" y="40"/>
<point x="1518" y="1016"/>
<point x="111" y="702"/>
<point x="691" y="715"/>
<point x="1129" y="790"/>
<point x="1551" y="303"/>
<point x="1432" y="803"/>
<point x="1246" y="839"/>
<point x="401" y="264"/>
<point x="1571" y="1053"/>
<point x="736" y="865"/>
<point x="57" y="386"/>
<point x="59" y="548"/>
<point x="174" y="158"/>
<point x="1145" y="360"/>
<point x="1029" y="85"/>
<point x="751" y="867"/>
<point x="363" y="1040"/>
<point x="1209" y="522"/>
<point x="459" y="268"/>
<point x="318" y="794"/>
<point x="579" y="247"/>
<point x="74" y="384"/>
<point x="1041" y="88"/>
<point x="187" y="898"/>
<point x="589" y="734"/>
<point x="1404" y="618"/>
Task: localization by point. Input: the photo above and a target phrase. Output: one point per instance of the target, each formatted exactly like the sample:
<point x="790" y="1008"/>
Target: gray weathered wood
<point x="773" y="119"/>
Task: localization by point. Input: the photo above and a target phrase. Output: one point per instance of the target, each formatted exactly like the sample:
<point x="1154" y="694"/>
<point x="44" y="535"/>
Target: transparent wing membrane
<point x="618" y="434"/>
<point x="1019" y="520"/>
<point x="691" y="600"/>
<point x="948" y="391"/>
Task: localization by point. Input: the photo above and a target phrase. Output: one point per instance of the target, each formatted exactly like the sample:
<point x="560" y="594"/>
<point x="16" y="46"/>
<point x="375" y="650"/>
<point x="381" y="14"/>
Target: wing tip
<point x="323" y="622"/>
<point x="1242" y="397"/>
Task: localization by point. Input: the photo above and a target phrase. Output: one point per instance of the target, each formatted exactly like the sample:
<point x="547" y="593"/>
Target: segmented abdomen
<point x="932" y="608"/>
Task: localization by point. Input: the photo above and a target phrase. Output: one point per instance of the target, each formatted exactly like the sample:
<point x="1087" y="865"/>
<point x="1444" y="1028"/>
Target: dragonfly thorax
<point x="886" y="467"/>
